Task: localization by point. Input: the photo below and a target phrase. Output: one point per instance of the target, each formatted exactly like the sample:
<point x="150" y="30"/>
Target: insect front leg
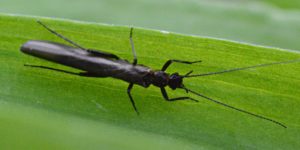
<point x="169" y="62"/>
<point x="166" y="97"/>
<point x="131" y="99"/>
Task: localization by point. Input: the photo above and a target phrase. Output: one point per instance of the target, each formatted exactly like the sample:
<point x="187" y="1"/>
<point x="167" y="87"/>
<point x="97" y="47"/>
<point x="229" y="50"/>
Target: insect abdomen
<point x="80" y="59"/>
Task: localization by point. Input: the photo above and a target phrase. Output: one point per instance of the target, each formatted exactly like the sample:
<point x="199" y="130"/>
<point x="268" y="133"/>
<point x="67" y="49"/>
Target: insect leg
<point x="85" y="74"/>
<point x="91" y="52"/>
<point x="132" y="47"/>
<point x="59" y="35"/>
<point x="169" y="62"/>
<point x="131" y="99"/>
<point x="165" y="95"/>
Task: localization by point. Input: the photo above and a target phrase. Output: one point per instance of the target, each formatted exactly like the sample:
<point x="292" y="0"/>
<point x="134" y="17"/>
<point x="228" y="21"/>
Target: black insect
<point x="102" y="64"/>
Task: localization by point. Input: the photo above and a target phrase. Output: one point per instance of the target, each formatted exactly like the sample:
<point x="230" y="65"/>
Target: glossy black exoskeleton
<point x="97" y="63"/>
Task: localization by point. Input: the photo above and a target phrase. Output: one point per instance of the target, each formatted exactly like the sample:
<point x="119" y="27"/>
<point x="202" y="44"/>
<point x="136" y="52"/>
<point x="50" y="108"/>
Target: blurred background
<point x="273" y="23"/>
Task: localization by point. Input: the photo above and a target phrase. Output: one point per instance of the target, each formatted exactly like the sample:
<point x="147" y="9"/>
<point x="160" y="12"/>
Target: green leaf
<point x="43" y="109"/>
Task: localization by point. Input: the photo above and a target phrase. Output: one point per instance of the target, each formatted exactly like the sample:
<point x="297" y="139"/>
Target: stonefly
<point x="97" y="63"/>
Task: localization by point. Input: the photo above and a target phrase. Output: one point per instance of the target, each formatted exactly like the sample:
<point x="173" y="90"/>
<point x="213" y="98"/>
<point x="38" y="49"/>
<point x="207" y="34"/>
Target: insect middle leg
<point x="131" y="99"/>
<point x="169" y="62"/>
<point x="166" y="97"/>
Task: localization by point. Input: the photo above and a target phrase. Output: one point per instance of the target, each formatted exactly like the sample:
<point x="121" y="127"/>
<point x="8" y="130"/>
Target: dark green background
<point x="41" y="109"/>
<point x="267" y="22"/>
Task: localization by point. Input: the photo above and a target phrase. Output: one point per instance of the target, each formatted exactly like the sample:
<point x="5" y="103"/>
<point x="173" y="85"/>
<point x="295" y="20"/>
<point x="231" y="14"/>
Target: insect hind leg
<point x="84" y="74"/>
<point x="60" y="36"/>
<point x="132" y="47"/>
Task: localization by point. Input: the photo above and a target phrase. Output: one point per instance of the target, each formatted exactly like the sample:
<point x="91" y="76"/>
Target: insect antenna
<point x="243" y="68"/>
<point x="237" y="109"/>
